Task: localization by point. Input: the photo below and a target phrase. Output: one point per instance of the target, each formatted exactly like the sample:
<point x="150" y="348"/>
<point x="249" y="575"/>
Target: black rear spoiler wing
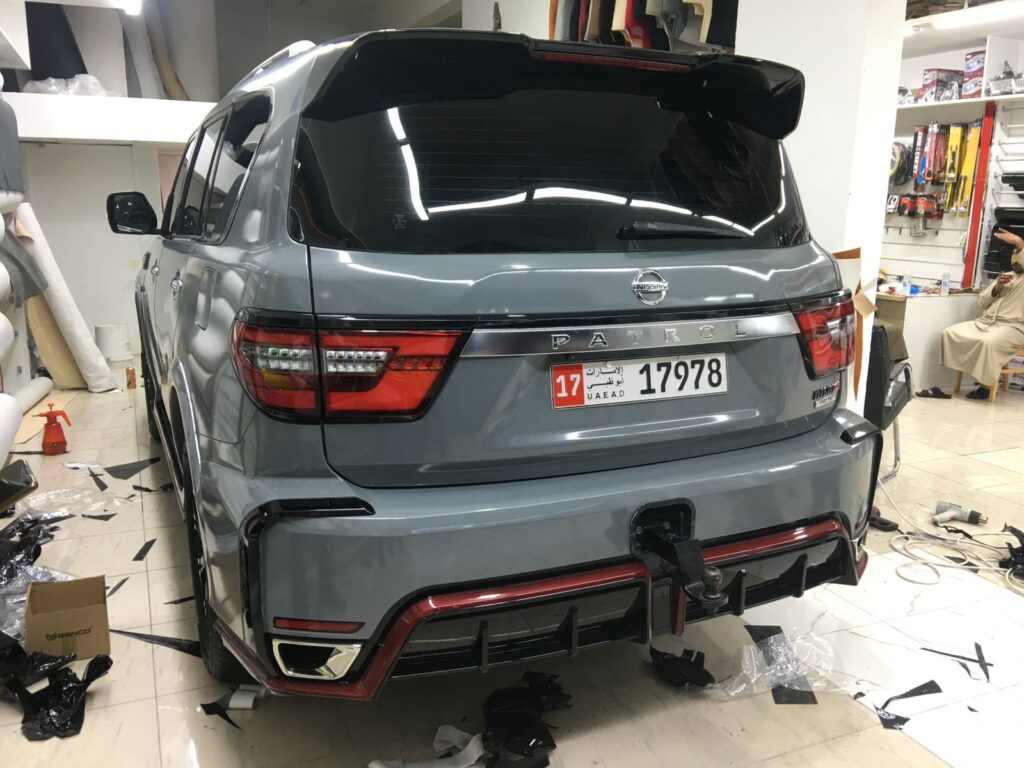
<point x="760" y="95"/>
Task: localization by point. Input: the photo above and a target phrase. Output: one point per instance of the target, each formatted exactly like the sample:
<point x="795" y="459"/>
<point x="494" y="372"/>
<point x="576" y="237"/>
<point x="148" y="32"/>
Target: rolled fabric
<point x="6" y="336"/>
<point x="10" y="420"/>
<point x="32" y="393"/>
<point x="97" y="374"/>
<point x="5" y="282"/>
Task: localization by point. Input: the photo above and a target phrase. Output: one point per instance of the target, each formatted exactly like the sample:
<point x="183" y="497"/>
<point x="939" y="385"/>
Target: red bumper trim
<point x="380" y="665"/>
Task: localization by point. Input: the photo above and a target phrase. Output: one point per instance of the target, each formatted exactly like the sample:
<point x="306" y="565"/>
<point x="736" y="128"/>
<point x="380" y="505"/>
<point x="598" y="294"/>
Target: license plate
<point x="630" y="381"/>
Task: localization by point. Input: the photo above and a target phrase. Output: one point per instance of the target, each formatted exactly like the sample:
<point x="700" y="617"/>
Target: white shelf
<point x="106" y="119"/>
<point x="930" y="40"/>
<point x="959" y="111"/>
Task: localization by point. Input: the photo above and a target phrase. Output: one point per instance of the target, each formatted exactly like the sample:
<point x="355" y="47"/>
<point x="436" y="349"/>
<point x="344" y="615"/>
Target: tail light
<point x="341" y="373"/>
<point x="371" y="372"/>
<point x="829" y="336"/>
<point x="278" y="367"/>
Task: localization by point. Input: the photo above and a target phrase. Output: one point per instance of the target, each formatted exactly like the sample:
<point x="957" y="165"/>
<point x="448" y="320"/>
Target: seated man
<point x="984" y="346"/>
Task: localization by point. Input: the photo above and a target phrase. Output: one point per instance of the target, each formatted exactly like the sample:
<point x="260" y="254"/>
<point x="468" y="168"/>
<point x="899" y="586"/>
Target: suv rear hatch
<point x="533" y="259"/>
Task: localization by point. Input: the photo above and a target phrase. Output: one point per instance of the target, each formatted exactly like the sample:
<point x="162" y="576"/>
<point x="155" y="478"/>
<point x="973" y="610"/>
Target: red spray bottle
<point x="54" y="441"/>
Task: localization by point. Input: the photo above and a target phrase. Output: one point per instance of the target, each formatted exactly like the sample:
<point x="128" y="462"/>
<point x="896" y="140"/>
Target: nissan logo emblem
<point x="649" y="286"/>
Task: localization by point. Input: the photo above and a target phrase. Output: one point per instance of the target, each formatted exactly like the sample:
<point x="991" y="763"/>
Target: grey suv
<point x="468" y="348"/>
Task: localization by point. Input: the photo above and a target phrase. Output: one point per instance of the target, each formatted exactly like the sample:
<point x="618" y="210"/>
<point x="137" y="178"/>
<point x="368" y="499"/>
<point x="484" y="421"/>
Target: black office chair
<point x="889" y="389"/>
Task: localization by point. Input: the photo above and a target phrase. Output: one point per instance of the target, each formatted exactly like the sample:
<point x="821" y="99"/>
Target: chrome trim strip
<point x="337" y="664"/>
<point x="500" y="342"/>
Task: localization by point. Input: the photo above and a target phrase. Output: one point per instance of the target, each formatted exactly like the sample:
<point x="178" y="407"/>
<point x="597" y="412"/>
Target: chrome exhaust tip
<point x="314" y="661"/>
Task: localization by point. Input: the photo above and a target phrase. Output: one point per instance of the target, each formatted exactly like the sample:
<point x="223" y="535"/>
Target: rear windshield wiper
<point x="654" y="230"/>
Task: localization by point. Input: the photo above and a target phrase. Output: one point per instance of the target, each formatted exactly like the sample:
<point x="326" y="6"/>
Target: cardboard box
<point x="936" y="81"/>
<point x="68" y="617"/>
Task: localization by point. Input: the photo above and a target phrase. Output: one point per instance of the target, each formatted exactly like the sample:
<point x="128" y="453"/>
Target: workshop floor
<point x="146" y="711"/>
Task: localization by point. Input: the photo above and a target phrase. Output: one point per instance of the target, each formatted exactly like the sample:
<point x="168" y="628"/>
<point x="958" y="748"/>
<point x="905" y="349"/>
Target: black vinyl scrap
<point x="683" y="670"/>
<point x="124" y="471"/>
<point x="896" y="722"/>
<point x="191" y="647"/>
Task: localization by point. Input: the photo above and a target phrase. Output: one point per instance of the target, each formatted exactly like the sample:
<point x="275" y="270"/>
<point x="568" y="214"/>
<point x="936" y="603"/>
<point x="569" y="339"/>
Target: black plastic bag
<point x="27" y="668"/>
<point x="59" y="708"/>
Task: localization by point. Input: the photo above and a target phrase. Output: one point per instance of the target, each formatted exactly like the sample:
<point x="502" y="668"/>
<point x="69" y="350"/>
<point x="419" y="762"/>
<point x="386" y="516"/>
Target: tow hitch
<point x="664" y="533"/>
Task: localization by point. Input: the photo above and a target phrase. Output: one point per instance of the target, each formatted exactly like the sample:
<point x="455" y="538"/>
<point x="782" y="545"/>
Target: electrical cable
<point x="915" y="546"/>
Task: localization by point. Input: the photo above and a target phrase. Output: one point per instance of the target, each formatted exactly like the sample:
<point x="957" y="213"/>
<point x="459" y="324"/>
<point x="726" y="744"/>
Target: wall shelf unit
<point x="106" y="119"/>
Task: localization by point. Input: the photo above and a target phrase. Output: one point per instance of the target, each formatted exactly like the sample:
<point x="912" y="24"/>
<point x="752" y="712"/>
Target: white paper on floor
<point x="469" y="754"/>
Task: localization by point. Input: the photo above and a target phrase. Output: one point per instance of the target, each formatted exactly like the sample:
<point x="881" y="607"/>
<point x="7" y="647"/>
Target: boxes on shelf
<point x="936" y="81"/>
<point x="1017" y="379"/>
<point x="974" y="69"/>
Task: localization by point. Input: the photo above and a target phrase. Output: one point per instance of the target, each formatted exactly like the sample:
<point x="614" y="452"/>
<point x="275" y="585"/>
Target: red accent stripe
<point x="763" y="545"/>
<point x="379" y="667"/>
<point x="978" y="198"/>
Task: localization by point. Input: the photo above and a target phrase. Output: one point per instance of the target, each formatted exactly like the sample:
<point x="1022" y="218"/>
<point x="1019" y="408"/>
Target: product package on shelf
<point x="936" y="81"/>
<point x="974" y="70"/>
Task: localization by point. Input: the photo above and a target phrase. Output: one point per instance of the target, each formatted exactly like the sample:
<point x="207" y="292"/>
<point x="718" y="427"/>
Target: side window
<point x="242" y="136"/>
<point x="179" y="183"/>
<point x="189" y="216"/>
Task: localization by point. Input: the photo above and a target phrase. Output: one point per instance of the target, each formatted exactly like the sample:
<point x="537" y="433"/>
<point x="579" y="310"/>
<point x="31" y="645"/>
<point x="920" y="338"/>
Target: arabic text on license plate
<point x="629" y="381"/>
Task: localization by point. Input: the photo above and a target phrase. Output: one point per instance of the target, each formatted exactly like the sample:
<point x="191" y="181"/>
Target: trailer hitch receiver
<point x="660" y="532"/>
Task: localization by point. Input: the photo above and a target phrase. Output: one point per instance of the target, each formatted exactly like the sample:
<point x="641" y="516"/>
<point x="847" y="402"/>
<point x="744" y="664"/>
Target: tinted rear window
<point x="541" y="156"/>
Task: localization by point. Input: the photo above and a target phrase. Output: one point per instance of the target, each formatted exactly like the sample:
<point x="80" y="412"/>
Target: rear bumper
<point x="758" y="569"/>
<point x="392" y="560"/>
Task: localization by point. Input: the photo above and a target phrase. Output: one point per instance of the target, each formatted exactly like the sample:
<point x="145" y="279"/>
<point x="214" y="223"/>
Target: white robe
<point x="983" y="347"/>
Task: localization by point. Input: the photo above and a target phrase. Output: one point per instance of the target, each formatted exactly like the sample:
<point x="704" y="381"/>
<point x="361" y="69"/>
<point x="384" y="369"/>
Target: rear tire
<point x="219" y="661"/>
<point x="149" y="387"/>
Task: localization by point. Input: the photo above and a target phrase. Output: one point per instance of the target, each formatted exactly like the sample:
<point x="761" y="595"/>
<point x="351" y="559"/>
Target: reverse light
<point x="829" y="334"/>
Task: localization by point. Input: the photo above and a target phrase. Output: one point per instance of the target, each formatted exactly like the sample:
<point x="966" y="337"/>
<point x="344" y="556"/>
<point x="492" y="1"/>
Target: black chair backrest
<point x="879" y="368"/>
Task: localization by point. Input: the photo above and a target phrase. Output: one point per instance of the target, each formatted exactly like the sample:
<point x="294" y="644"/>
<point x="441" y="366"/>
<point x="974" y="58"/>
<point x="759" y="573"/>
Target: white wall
<point x="528" y="17"/>
<point x="99" y="266"/>
<point x="850" y="56"/>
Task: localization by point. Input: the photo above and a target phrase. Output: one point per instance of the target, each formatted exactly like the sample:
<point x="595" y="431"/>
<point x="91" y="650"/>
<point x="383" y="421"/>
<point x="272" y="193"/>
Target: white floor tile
<point x="987" y="737"/>
<point x="884" y="594"/>
<point x="819" y="611"/>
<point x="122" y="735"/>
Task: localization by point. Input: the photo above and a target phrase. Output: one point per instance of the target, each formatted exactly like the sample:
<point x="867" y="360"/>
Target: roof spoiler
<point x="760" y="95"/>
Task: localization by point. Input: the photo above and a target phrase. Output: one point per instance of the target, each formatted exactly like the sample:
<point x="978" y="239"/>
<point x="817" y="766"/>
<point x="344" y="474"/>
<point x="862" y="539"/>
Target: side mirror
<point x="129" y="213"/>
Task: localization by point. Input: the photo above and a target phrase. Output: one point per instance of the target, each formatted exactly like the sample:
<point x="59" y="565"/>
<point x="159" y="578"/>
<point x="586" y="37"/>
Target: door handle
<point x="176" y="284"/>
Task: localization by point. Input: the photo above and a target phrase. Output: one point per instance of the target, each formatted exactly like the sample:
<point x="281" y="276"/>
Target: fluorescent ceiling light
<point x="726" y="222"/>
<point x="396" y="123"/>
<point x="983" y="14"/>
<point x="577" y="194"/>
<point x="131" y="7"/>
<point x="496" y="202"/>
<point x="660" y="207"/>
<point x="414" y="182"/>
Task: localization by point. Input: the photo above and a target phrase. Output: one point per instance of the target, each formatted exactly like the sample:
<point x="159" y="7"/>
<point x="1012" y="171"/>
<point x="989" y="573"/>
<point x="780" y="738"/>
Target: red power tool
<point x="54" y="441"/>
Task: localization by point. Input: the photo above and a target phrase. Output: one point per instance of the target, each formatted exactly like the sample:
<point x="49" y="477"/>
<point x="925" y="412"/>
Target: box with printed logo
<point x="68" y="617"/>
